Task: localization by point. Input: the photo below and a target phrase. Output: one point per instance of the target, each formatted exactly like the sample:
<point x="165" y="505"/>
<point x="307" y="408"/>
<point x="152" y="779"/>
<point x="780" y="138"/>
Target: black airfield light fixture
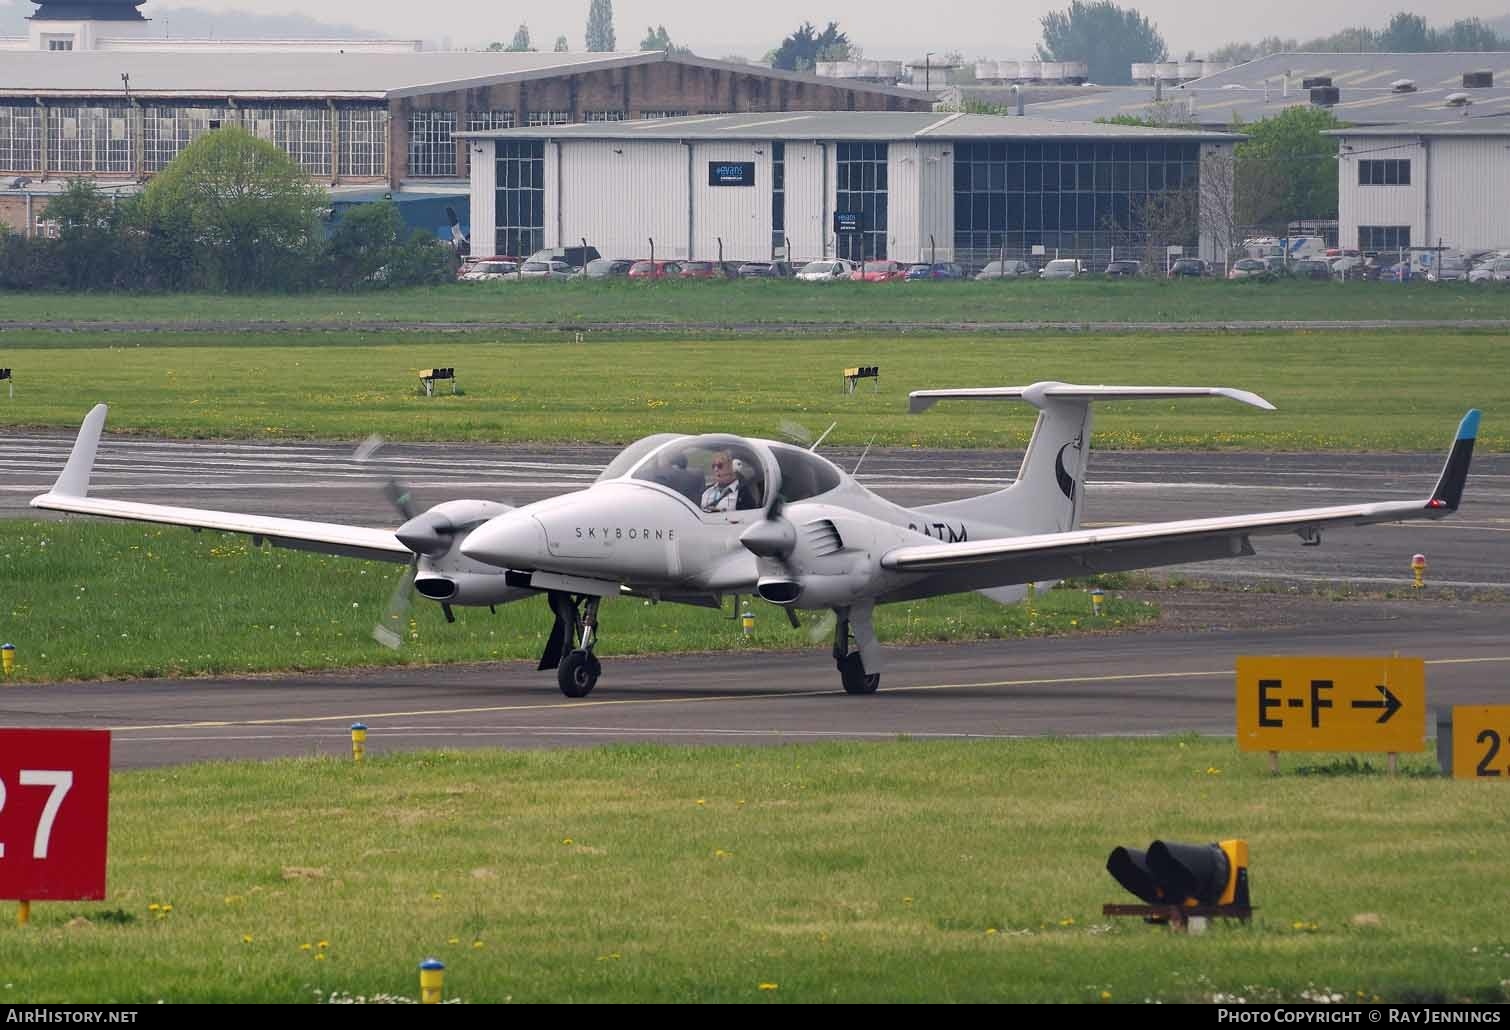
<point x="1178" y="881"/>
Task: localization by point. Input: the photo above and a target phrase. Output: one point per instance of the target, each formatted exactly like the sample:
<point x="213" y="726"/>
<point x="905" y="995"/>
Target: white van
<point x="1287" y="248"/>
<point x="1062" y="268"/>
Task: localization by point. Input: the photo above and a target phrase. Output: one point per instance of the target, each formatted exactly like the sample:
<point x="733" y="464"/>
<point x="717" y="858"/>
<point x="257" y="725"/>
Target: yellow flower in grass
<point x="453" y="940"/>
<point x="246" y="938"/>
<point x="305" y="947"/>
<point x="769" y="986"/>
<point x="324" y="944"/>
<point x="477" y="944"/>
<point x="1106" y="995"/>
<point x="319" y="956"/>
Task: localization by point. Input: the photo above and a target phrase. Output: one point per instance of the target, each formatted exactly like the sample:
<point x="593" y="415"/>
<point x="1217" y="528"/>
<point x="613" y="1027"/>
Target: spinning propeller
<point x="389" y="629"/>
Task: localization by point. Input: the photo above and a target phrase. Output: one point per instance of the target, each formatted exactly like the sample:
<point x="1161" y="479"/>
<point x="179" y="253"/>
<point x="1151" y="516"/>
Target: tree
<point x="656" y="39"/>
<point x="370" y="246"/>
<point x="804" y="48"/>
<point x="561" y="45"/>
<point x="1287" y="169"/>
<point x="240" y="209"/>
<point x="1107" y="38"/>
<point x="519" y="45"/>
<point x="1469" y="34"/>
<point x="1407" y="34"/>
<point x="600" y="26"/>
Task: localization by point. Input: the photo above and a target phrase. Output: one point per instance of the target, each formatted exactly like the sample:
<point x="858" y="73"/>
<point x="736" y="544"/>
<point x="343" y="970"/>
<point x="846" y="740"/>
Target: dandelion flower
<point x="769" y="987"/>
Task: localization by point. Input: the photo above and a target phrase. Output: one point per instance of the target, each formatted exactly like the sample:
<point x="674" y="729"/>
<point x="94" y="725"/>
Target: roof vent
<point x="1325" y="96"/>
<point x="1318" y="80"/>
<point x="1478" y="80"/>
<point x="1458" y="100"/>
<point x="1403" y="86"/>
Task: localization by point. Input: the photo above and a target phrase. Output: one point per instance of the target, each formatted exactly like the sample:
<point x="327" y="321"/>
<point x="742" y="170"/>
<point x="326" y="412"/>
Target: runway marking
<point x="583" y="705"/>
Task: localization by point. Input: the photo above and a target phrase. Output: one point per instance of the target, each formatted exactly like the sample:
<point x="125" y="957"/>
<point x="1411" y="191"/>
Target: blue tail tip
<point x="1468" y="429"/>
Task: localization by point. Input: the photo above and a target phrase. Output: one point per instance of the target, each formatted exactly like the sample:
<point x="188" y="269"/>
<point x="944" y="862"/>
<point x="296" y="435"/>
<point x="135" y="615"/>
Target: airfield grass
<point x="900" y="871"/>
<point x="88" y="600"/>
<point x="749" y="302"/>
<point x="1333" y="390"/>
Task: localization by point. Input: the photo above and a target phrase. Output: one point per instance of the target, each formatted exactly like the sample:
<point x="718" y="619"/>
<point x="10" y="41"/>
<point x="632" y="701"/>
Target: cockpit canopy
<point x="720" y="472"/>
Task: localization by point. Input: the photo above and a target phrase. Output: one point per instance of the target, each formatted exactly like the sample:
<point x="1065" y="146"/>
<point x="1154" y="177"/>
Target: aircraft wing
<point x="1078" y="552"/>
<point x="71" y="493"/>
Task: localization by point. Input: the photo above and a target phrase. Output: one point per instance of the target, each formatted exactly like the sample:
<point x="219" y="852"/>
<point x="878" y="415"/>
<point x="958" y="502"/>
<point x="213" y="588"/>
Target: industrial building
<point x="801" y="186"/>
<point x="355" y="120"/>
<point x="1414" y="186"/>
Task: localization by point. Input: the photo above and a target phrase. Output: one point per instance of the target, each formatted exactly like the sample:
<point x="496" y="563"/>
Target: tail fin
<point x="1047" y="495"/>
<point x="74" y="480"/>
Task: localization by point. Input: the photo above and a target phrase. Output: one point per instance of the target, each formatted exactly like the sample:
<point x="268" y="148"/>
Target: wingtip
<point x="1468" y="429"/>
<point x="74" y="480"/>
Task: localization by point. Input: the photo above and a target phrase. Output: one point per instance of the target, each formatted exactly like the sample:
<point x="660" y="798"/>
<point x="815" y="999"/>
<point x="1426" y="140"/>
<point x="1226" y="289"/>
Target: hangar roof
<point x="847" y="125"/>
<point x="378" y="76"/>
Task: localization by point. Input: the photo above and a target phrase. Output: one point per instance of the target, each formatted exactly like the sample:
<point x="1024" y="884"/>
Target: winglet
<point x="1449" y="490"/>
<point x="74" y="482"/>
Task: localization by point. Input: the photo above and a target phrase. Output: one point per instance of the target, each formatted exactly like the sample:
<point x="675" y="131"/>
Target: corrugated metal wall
<point x="619" y="194"/>
<point x="936" y="201"/>
<point x="809" y="201"/>
<point x="1380" y="205"/>
<point x="1470" y="193"/>
<point x="902" y="214"/>
<point x="740" y="215"/>
<point x="483" y="241"/>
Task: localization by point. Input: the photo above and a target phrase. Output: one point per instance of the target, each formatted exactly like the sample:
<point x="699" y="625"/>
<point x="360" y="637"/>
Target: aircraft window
<point x="630" y="456"/>
<point x="804" y="474"/>
<point x="714" y="473"/>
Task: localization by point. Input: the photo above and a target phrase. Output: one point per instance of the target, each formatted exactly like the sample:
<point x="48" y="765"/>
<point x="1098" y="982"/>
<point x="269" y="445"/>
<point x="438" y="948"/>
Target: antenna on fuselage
<point x="856" y="470"/>
<point x="820" y="439"/>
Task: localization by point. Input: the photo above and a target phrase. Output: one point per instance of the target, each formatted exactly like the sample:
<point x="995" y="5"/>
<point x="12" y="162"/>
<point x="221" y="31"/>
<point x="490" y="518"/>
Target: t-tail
<point x="1048" y="495"/>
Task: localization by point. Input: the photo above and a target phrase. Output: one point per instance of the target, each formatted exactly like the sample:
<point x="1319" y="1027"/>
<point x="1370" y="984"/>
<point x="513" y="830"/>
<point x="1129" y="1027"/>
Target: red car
<point x="883" y="272"/>
<point x="702" y="270"/>
<point x="655" y="270"/>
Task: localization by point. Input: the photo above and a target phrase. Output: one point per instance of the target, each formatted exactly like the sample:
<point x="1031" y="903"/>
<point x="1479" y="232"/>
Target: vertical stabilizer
<point x="74" y="480"/>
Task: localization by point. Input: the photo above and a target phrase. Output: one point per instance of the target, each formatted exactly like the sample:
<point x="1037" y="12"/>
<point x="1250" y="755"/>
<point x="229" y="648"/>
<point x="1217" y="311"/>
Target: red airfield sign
<point x="54" y="814"/>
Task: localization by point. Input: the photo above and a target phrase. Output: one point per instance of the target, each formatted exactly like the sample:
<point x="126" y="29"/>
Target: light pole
<point x="927" y="71"/>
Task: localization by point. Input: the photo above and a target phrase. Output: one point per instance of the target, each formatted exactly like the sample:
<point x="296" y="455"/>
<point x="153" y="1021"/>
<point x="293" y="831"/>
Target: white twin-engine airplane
<point x="689" y="519"/>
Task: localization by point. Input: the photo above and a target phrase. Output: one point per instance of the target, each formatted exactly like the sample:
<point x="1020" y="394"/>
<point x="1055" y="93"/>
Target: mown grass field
<point x="1333" y="390"/>
<point x="773" y="302"/>
<point x="85" y="600"/>
<point x="882" y="872"/>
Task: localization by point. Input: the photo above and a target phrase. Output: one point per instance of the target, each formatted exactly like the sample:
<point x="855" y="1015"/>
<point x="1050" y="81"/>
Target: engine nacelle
<point x="835" y="561"/>
<point x="468" y="588"/>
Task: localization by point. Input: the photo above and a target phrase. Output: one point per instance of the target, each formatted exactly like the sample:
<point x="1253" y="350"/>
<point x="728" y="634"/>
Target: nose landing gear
<point x="852" y="663"/>
<point x="576" y="622"/>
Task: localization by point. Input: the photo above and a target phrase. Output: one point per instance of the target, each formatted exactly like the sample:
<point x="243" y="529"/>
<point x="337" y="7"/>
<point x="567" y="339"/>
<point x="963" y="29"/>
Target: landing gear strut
<point x="576" y="623"/>
<point x="851" y="663"/>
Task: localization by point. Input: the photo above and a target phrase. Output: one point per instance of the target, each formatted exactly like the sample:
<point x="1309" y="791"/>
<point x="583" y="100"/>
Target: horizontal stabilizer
<point x="1037" y="393"/>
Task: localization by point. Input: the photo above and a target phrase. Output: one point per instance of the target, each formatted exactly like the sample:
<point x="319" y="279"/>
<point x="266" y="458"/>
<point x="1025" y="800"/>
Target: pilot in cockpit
<point x="723" y="494"/>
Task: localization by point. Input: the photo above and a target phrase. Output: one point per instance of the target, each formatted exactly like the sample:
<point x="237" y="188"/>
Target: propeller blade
<point x="823" y="629"/>
<point x="398" y="494"/>
<point x="390" y="631"/>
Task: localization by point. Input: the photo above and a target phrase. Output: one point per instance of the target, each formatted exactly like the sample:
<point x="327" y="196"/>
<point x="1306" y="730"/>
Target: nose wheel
<point x="576" y="623"/>
<point x="851" y="664"/>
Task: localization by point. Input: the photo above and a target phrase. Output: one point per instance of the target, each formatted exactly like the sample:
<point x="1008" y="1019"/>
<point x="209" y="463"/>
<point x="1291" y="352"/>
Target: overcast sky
<point x="885" y="29"/>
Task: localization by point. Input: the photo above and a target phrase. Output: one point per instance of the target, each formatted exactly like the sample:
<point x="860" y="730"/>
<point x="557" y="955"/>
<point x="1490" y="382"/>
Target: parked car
<point x="765" y="270"/>
<point x="1495" y="271"/>
<point x="489" y="269"/>
<point x="1310" y="269"/>
<point x="703" y="270"/>
<point x="1450" y="270"/>
<point x="826" y="271"/>
<point x="1123" y="269"/>
<point x="937" y="270"/>
<point x="575" y="257"/>
<point x="882" y="271"/>
<point x="558" y="270"/>
<point x="1192" y="268"/>
<point x="607" y="268"/>
<point x="655" y="270"/>
<point x="1248" y="268"/>
<point x="1062" y="268"/>
<point x="1005" y="270"/>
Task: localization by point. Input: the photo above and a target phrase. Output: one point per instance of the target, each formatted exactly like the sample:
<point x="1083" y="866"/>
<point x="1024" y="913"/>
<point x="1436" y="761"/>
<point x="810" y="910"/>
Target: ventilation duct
<point x="1325" y="96"/>
<point x="1315" y="81"/>
<point x="1403" y="86"/>
<point x="1478" y="80"/>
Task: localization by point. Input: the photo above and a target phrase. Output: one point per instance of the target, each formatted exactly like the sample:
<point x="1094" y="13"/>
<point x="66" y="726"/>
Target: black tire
<point x="852" y="673"/>
<point x="578" y="674"/>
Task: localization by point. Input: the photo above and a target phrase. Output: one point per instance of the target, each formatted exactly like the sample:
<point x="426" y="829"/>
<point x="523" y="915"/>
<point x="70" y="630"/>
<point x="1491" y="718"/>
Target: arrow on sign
<point x="1389" y="702"/>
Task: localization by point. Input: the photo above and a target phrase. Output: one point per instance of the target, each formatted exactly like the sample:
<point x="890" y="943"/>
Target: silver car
<point x="1005" y="270"/>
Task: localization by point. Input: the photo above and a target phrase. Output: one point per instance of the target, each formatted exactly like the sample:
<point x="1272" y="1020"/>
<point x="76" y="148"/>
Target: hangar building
<point x="800" y="186"/>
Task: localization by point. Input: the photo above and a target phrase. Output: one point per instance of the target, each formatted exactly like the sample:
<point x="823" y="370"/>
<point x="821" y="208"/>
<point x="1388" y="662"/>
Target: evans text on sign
<point x="54" y="814"/>
<point x="731" y="173"/>
<point x="1315" y="703"/>
<point x="1481" y="742"/>
<point x="848" y="221"/>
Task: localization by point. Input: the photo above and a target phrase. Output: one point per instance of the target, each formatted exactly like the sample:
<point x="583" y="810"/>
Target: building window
<point x="364" y="142"/>
<point x="432" y="150"/>
<point x="778" y="200"/>
<point x="20" y="138"/>
<point x="603" y="116"/>
<point x="1384" y="173"/>
<point x="862" y="190"/>
<point x="647" y="115"/>
<point x="487" y="121"/>
<point x="1375" y="238"/>
<point x="89" y="139"/>
<point x="166" y="131"/>
<point x="550" y="118"/>
<point x="60" y="44"/>
<point x="303" y="133"/>
<point x="521" y="197"/>
<point x="1080" y="199"/>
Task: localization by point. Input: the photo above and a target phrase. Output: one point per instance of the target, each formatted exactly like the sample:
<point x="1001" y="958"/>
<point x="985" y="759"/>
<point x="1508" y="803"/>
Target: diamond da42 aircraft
<point x="690" y="519"/>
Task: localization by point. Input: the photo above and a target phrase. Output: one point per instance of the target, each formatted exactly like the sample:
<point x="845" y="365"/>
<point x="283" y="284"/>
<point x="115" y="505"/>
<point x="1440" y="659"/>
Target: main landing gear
<point x="852" y="663"/>
<point x="576" y="623"/>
